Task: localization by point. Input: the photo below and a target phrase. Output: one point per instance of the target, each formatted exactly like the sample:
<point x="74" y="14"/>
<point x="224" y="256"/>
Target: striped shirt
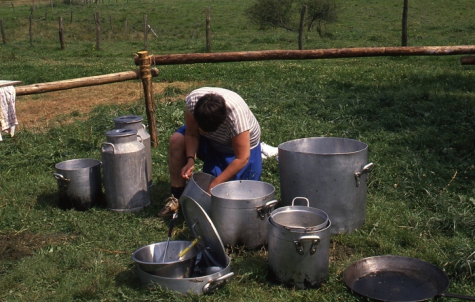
<point x="239" y="119"/>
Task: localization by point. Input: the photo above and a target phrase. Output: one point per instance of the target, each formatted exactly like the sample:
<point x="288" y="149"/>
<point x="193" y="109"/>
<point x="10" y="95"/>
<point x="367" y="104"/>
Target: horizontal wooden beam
<point x="80" y="82"/>
<point x="193" y="58"/>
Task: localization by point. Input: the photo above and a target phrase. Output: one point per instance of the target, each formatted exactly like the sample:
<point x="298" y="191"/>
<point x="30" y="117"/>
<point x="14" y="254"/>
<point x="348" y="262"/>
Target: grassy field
<point x="417" y="114"/>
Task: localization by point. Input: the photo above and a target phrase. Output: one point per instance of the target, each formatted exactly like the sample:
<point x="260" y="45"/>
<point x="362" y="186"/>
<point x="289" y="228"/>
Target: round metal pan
<point x="397" y="278"/>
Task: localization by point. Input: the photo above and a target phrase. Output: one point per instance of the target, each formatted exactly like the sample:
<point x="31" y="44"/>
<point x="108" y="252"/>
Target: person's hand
<point x="187" y="171"/>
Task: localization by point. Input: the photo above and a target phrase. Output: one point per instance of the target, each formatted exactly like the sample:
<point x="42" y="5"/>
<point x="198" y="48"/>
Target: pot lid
<point x="121" y="132"/>
<point x="127" y="119"/>
<point x="202" y="227"/>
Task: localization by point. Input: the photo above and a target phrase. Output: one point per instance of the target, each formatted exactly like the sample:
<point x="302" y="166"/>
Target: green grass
<point x="417" y="114"/>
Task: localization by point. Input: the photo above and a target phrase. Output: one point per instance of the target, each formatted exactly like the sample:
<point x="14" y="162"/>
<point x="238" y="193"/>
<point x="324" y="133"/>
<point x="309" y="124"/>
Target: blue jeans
<point x="214" y="161"/>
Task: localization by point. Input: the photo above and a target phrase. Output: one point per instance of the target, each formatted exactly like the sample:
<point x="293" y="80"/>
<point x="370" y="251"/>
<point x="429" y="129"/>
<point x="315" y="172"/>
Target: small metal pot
<point x="298" y="257"/>
<point x="196" y="188"/>
<point x="239" y="210"/>
<point x="79" y="183"/>
<point x="198" y="285"/>
<point x="150" y="260"/>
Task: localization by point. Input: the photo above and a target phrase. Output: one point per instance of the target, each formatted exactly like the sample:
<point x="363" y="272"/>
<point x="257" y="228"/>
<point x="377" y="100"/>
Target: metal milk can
<point x="123" y="162"/>
<point x="135" y="122"/>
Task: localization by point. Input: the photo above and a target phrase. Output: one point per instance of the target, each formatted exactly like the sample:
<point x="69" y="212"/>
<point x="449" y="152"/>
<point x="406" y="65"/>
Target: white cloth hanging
<point x="8" y="119"/>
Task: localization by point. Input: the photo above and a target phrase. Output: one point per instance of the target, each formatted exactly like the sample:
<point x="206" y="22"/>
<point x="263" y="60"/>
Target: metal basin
<point x="149" y="259"/>
<point x="197" y="284"/>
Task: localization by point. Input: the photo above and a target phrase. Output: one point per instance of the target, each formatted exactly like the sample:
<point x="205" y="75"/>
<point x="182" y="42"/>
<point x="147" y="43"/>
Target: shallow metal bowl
<point x="149" y="259"/>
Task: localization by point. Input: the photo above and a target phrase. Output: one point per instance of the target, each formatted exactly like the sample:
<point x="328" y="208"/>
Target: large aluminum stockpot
<point x="196" y="284"/>
<point x="239" y="210"/>
<point x="332" y="173"/>
<point x="150" y="259"/>
<point x="298" y="257"/>
<point x="79" y="183"/>
<point x="196" y="188"/>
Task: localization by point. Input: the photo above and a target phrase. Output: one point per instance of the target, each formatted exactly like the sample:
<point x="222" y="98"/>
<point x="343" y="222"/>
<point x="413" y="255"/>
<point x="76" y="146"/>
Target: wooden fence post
<point x="145" y="32"/>
<point x="61" y="36"/>
<point x="146" y="76"/>
<point x="404" y="24"/>
<point x="29" y="30"/>
<point x="98" y="31"/>
<point x="208" y="30"/>
<point x="302" y="22"/>
<point x="4" y="40"/>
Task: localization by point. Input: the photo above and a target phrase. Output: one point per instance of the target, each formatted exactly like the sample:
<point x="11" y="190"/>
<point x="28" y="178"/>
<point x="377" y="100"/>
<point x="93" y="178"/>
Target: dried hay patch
<point x="38" y="112"/>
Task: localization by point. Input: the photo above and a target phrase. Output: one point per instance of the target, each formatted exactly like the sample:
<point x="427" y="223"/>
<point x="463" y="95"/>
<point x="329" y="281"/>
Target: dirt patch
<point x="17" y="245"/>
<point x="38" y="112"/>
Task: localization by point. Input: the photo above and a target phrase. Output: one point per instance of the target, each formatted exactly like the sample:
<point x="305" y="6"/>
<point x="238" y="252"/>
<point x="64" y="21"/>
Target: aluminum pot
<point x="149" y="258"/>
<point x="196" y="189"/>
<point x="79" y="183"/>
<point x="332" y="173"/>
<point x="239" y="210"/>
<point x="298" y="259"/>
<point x="135" y="122"/>
<point x="196" y="284"/>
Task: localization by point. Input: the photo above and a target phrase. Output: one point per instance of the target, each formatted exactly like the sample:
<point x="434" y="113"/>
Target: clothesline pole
<point x="146" y="76"/>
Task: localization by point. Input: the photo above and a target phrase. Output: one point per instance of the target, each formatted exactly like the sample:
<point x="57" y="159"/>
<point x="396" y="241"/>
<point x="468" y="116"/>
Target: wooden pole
<point x="404" y="24"/>
<point x="81" y="82"/>
<point x="98" y="31"/>
<point x="332" y="53"/>
<point x="2" y="29"/>
<point x="29" y="30"/>
<point x="61" y="36"/>
<point x="51" y="1"/>
<point x="145" y="32"/>
<point x="302" y="23"/>
<point x="208" y="30"/>
<point x="146" y="77"/>
<point x="469" y="60"/>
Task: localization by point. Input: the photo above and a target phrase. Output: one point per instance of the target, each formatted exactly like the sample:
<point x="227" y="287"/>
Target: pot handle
<point x="303" y="198"/>
<point x="61" y="180"/>
<point x="108" y="144"/>
<point x="299" y="244"/>
<point x="219" y="282"/>
<point x="266" y="209"/>
<point x="366" y="169"/>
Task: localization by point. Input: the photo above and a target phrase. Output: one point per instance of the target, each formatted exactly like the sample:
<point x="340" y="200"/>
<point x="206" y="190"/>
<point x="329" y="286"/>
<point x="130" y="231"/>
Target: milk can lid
<point x="121" y="132"/>
<point x="128" y="119"/>
<point x="202" y="227"/>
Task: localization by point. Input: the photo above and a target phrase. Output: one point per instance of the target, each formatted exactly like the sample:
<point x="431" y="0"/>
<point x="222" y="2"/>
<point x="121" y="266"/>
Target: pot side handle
<point x="62" y="181"/>
<point x="217" y="283"/>
<point x="266" y="209"/>
<point x="108" y="144"/>
<point x="299" y="243"/>
<point x="365" y="170"/>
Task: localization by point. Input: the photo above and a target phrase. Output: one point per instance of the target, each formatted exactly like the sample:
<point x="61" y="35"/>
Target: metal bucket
<point x="135" y="122"/>
<point x="298" y="258"/>
<point x="125" y="180"/>
<point x="196" y="284"/>
<point x="239" y="209"/>
<point x="196" y="189"/>
<point x="79" y="183"/>
<point x="331" y="173"/>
